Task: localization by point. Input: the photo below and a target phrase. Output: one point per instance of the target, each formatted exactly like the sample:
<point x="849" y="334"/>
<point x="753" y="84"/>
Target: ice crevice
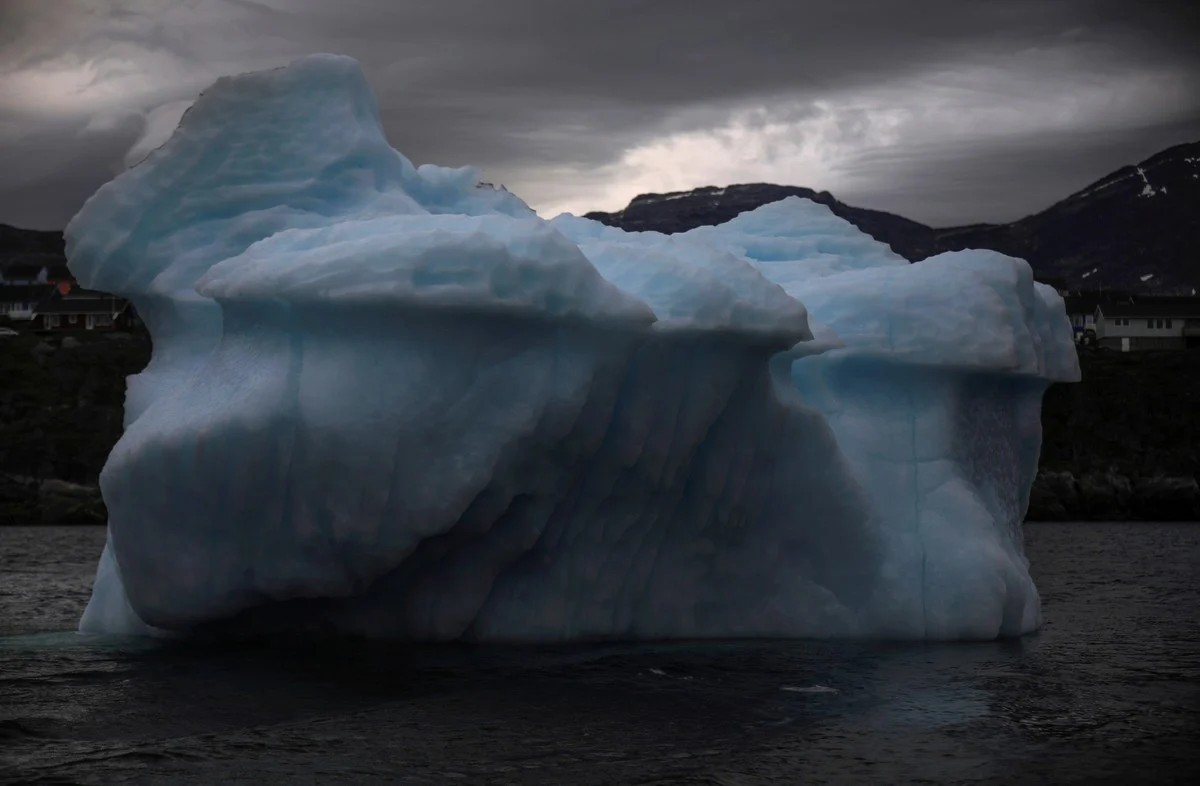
<point x="388" y="401"/>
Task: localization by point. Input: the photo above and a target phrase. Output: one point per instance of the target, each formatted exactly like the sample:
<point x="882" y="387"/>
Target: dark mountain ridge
<point x="1136" y="229"/>
<point x="30" y="246"/>
<point x="683" y="210"/>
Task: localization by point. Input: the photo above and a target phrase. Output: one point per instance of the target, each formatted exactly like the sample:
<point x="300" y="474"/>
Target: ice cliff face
<point x="386" y="401"/>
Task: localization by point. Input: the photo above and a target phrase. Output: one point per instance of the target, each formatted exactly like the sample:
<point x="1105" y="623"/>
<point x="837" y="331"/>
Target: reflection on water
<point x="1107" y="692"/>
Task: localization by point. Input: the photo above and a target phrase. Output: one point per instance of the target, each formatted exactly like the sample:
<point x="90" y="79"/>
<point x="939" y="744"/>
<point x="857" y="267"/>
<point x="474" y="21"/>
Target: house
<point x="1149" y="323"/>
<point x="1081" y="310"/>
<point x="18" y="302"/>
<point x="82" y="309"/>
<point x="28" y="273"/>
<point x="23" y="274"/>
<point x="60" y="276"/>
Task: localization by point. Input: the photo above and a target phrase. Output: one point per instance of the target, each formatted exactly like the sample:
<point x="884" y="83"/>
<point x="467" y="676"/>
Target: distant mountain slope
<point x="683" y="210"/>
<point x="29" y="246"/>
<point x="1136" y="229"/>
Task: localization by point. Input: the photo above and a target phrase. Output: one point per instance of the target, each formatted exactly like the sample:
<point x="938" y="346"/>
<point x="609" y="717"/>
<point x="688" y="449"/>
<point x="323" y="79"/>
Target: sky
<point x="945" y="111"/>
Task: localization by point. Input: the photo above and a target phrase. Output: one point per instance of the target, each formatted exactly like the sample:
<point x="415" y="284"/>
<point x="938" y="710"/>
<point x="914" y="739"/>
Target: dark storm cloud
<point x="49" y="174"/>
<point x="574" y="104"/>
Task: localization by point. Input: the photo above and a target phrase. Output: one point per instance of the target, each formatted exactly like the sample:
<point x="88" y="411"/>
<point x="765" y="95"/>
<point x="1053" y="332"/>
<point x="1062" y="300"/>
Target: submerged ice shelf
<point x="388" y="400"/>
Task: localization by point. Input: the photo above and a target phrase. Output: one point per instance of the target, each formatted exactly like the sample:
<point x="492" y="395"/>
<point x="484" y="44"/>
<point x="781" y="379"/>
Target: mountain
<point x="683" y="210"/>
<point x="30" y="246"/>
<point x="1137" y="229"/>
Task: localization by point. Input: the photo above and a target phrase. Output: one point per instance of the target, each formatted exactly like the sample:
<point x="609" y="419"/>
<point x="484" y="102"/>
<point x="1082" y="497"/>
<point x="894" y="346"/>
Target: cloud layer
<point x="947" y="111"/>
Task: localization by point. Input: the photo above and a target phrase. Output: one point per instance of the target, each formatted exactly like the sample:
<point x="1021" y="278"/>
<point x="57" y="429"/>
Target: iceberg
<point x="391" y="401"/>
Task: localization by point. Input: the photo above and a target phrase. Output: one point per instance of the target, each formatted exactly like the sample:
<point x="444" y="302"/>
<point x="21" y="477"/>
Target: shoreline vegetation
<point x="1121" y="445"/>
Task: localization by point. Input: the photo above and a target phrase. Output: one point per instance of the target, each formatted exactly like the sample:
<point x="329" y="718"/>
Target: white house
<point x="23" y="274"/>
<point x="1081" y="311"/>
<point x="18" y="273"/>
<point x="1149" y="324"/>
<point x="19" y="302"/>
<point x="82" y="309"/>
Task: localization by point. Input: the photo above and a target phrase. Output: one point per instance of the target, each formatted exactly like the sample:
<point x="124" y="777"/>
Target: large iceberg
<point x="391" y="401"/>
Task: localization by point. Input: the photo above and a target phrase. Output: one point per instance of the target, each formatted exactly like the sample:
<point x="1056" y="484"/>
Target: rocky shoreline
<point x="1123" y="444"/>
<point x="61" y="409"/>
<point x="30" y="501"/>
<point x="1119" y="446"/>
<point x="1060" y="496"/>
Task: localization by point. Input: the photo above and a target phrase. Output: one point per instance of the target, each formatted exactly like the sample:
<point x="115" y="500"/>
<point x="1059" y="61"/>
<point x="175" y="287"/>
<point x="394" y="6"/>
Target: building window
<point x="1168" y="323"/>
<point x="52" y="322"/>
<point x="71" y="319"/>
<point x="102" y="320"/>
<point x="1150" y="323"/>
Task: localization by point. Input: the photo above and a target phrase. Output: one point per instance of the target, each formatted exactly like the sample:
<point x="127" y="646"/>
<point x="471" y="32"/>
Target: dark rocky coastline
<point x="61" y="408"/>
<point x="1120" y="445"/>
<point x="1124" y="443"/>
<point x="1111" y="496"/>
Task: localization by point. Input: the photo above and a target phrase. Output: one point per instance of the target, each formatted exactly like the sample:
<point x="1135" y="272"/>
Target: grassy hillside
<point x="61" y="406"/>
<point x="1122" y="443"/>
<point x="61" y="403"/>
<point x="1135" y="413"/>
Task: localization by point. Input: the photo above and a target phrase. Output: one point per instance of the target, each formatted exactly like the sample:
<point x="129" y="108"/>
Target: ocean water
<point x="1107" y="692"/>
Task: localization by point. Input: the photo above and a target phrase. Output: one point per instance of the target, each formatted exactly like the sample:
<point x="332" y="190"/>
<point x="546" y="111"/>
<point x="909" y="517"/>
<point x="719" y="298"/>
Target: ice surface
<point x="385" y="400"/>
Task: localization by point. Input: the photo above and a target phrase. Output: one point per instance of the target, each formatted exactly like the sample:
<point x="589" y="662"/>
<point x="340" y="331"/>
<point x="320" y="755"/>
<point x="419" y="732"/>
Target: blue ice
<point x="391" y="401"/>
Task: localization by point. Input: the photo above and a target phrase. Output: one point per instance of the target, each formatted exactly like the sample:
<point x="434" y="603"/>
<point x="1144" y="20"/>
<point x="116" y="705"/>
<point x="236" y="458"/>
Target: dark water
<point x="1108" y="692"/>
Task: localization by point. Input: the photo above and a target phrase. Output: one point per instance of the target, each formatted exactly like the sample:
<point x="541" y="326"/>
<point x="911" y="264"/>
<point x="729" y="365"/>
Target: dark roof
<point x="1184" y="309"/>
<point x="59" y="273"/>
<point x="84" y="292"/>
<point x="1168" y="299"/>
<point x="83" y="302"/>
<point x="24" y="293"/>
